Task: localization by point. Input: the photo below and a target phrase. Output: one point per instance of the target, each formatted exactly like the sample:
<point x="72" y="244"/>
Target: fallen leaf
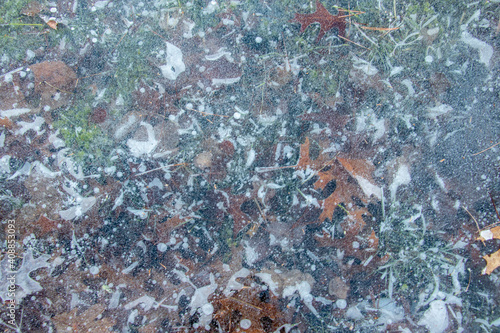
<point x="51" y="76"/>
<point x="254" y="304"/>
<point x="492" y="260"/>
<point x="32" y="9"/>
<point x="52" y="24"/>
<point x="343" y="175"/>
<point x="240" y="219"/>
<point x="343" y="172"/>
<point x="326" y="20"/>
<point x="489" y="234"/>
<point x="5" y="122"/>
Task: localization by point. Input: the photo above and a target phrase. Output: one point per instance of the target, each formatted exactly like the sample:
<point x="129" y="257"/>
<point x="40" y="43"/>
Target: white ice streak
<point x="364" y="66"/>
<point x="222" y="52"/>
<point x="438" y="110"/>
<point x="200" y="301"/>
<point x="35" y="125"/>
<point x="402" y="177"/>
<point x="485" y="50"/>
<point x="11" y="113"/>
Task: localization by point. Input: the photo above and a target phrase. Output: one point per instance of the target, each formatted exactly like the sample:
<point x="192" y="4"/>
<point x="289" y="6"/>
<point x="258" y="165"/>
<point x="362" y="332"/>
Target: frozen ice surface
<point x="192" y="174"/>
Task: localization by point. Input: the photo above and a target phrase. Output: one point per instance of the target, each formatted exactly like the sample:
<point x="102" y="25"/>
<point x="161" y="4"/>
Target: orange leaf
<point x="492" y="262"/>
<point x="5" y="122"/>
<point x="304" y="160"/>
<point x="326" y="20"/>
<point x="52" y="24"/>
<point x="240" y="219"/>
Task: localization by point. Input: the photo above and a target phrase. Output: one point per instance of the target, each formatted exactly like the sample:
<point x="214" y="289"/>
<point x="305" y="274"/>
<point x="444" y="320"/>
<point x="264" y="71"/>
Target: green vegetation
<point x="86" y="139"/>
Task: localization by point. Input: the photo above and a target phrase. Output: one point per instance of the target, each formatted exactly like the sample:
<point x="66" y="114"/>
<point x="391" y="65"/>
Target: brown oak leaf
<point x="492" y="260"/>
<point x="346" y="173"/>
<point x="351" y="182"/>
<point x="326" y="21"/>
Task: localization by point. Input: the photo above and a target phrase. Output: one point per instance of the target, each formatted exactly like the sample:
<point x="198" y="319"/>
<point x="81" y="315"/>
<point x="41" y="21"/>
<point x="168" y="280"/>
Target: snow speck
<point x="94" y="270"/>
<point x="341" y="303"/>
<point x="245" y="324"/>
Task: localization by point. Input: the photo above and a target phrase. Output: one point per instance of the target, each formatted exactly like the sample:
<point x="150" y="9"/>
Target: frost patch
<point x="439" y="110"/>
<point x="35" y="125"/>
<point x="364" y="66"/>
<point x="435" y="319"/>
<point x="14" y="112"/>
<point x="21" y="277"/>
<point x="175" y="66"/>
<point x="81" y="207"/>
<point x="304" y="290"/>
<point x="402" y="177"/>
<point x="199" y="302"/>
<point x="485" y="50"/>
<point x="139" y="147"/>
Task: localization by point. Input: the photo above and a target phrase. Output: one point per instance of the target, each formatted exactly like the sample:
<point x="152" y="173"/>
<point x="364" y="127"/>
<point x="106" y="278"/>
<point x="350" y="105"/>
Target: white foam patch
<point x="14" y="112"/>
<point x="485" y="50"/>
<point x="435" y="319"/>
<point x="402" y="177"/>
<point x="139" y="148"/>
<point x="174" y="66"/>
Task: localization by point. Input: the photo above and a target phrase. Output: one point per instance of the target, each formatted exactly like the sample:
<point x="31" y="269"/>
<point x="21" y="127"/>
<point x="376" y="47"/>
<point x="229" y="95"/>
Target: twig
<point x="482" y="151"/>
<point x="477" y="225"/>
<point x="342" y="37"/>
<point x="162" y="167"/>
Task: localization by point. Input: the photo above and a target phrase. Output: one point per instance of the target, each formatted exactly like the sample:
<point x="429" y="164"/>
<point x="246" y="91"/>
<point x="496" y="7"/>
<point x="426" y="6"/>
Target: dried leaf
<point x="326" y="20"/>
<point x="5" y="122"/>
<point x="341" y="170"/>
<point x="52" y="24"/>
<point x="351" y="176"/>
<point x="256" y="305"/>
<point x="32" y="9"/>
<point x="51" y="76"/>
<point x="492" y="262"/>
<point x="241" y="220"/>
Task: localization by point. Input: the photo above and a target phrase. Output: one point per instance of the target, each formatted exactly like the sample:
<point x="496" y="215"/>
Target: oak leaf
<point x="326" y="21"/>
<point x="492" y="260"/>
<point x="352" y="186"/>
<point x="346" y="173"/>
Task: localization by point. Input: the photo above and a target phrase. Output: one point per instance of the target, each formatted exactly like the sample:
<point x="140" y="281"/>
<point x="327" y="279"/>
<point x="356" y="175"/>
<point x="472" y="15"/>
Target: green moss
<point x="86" y="140"/>
<point x="18" y="33"/>
<point x="10" y="10"/>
